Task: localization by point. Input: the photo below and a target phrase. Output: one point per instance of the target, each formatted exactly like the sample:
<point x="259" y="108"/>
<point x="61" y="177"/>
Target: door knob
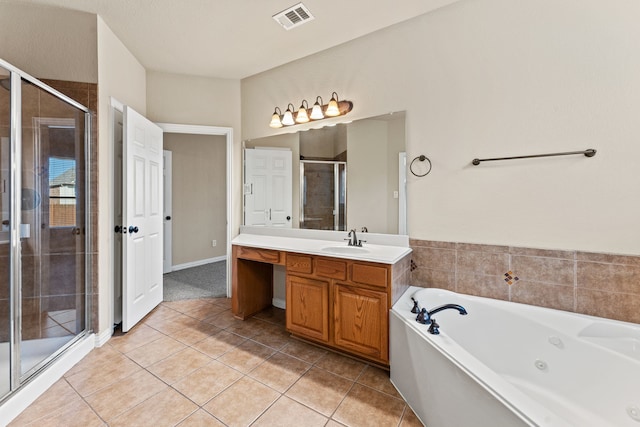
<point x="133" y="229"/>
<point x="288" y="218"/>
<point x="168" y="218"/>
<point x="118" y="229"/>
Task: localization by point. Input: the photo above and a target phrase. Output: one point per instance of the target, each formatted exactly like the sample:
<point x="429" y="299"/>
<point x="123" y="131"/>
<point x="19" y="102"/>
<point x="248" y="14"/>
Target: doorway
<point x="195" y="217"/>
<point x="167" y="128"/>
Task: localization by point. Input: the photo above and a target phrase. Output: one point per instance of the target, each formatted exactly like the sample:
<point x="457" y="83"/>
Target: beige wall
<point x="48" y="42"/>
<point x="367" y="189"/>
<point x="181" y="99"/>
<point x="395" y="145"/>
<point x="492" y="78"/>
<point x="199" y="191"/>
<point x="122" y="77"/>
<point x="323" y="143"/>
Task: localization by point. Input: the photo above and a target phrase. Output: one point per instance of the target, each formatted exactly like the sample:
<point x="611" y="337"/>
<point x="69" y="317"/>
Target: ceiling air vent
<point x="293" y="16"/>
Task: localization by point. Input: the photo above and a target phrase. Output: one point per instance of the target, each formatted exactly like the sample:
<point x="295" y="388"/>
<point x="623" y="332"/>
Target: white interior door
<point x="281" y="189"/>
<point x="256" y="174"/>
<point x="143" y="217"/>
<point x="268" y="187"/>
<point x="167" y="262"/>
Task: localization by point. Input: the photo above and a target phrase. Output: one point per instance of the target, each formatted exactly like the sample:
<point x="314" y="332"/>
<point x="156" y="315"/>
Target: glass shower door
<point x="5" y="211"/>
<point x="323" y="195"/>
<point x="52" y="233"/>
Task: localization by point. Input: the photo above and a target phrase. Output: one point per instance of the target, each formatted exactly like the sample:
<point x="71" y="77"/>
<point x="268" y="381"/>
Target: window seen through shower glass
<point x="62" y="192"/>
<point x="53" y="225"/>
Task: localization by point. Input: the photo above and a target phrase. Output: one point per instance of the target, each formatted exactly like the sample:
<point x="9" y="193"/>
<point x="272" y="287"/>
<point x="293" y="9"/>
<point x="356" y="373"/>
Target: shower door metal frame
<point x="15" y="266"/>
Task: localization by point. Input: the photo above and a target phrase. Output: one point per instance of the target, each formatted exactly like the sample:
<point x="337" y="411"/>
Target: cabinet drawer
<point x="263" y="255"/>
<point x="333" y="269"/>
<point x="299" y="263"/>
<point x="369" y="275"/>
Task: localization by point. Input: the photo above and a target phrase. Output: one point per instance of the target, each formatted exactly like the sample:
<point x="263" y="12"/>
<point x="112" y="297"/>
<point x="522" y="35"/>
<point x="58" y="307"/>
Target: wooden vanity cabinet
<point x="340" y="303"/>
<point x="307" y="311"/>
<point x="361" y="321"/>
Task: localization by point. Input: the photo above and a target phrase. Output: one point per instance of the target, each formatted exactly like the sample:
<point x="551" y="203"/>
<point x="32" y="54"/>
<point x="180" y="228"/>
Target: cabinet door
<point x="361" y="321"/>
<point x="308" y="307"/>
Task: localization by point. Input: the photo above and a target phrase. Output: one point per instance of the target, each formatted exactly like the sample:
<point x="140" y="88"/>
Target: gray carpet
<point x="203" y="281"/>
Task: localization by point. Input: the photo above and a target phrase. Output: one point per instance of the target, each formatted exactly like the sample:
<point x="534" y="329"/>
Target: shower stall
<point x="44" y="234"/>
<point x="323" y="195"/>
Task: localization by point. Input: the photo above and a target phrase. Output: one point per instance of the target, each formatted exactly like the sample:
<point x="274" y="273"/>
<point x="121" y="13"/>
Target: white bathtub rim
<point x="574" y="324"/>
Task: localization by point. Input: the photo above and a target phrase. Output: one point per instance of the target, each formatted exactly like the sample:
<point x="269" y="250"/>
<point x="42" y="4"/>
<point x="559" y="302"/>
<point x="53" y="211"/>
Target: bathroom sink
<point x="345" y="250"/>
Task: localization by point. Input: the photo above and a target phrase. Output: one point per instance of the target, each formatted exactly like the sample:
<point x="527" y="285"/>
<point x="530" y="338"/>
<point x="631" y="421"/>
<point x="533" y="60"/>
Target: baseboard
<point x="279" y="303"/>
<point x="197" y="263"/>
<point x="24" y="397"/>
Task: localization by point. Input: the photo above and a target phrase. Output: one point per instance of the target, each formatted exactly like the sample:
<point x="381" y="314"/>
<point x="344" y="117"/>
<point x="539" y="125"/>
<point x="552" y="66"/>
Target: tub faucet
<point x="460" y="309"/>
<point x="424" y="316"/>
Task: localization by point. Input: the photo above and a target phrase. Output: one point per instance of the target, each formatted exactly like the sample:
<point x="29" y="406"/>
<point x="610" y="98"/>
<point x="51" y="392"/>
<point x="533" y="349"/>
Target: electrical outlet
<point x="214" y="243"/>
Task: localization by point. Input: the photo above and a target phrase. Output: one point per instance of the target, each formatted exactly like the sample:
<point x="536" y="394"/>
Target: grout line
<point x="575" y="281"/>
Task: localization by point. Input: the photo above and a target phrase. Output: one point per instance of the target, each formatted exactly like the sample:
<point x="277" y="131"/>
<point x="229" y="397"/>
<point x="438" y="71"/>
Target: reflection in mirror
<point x="347" y="176"/>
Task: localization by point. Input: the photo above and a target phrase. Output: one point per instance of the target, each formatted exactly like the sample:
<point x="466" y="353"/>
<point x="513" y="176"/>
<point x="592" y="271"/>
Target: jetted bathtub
<point x="509" y="364"/>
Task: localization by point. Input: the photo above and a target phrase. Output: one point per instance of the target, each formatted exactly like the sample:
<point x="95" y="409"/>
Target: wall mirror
<point x="346" y="176"/>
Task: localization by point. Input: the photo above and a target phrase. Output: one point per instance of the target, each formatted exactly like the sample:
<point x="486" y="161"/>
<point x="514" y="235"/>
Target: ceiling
<point x="237" y="38"/>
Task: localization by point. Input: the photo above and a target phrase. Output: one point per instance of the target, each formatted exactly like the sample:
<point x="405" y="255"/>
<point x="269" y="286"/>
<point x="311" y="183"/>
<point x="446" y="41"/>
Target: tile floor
<point x="190" y="363"/>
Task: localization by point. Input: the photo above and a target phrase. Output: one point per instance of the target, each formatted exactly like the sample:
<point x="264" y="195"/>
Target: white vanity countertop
<point x="385" y="254"/>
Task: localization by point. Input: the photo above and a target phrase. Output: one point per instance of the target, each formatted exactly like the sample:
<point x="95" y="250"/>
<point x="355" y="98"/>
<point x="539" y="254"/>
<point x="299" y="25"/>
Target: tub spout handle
<point x="416" y="308"/>
<point x="434" y="327"/>
<point x="423" y="317"/>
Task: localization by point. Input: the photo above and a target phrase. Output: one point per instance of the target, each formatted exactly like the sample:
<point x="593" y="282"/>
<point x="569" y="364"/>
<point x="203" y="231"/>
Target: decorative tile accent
<point x="510" y="278"/>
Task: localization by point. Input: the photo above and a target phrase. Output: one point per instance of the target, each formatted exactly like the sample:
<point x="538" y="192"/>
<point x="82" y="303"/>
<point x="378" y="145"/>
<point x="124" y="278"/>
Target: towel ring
<point x="422" y="158"/>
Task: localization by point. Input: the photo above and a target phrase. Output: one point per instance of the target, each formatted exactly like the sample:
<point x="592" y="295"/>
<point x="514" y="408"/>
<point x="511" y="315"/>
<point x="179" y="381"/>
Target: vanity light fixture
<point x="319" y="111"/>
<point x="301" y="116"/>
<point x="275" y="119"/>
<point x="332" y="108"/>
<point x="316" y="111"/>
<point x="287" y="119"/>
